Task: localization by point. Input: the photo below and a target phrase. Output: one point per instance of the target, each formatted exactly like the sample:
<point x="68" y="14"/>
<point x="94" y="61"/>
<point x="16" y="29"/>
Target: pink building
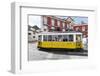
<point x="82" y="28"/>
<point x="53" y="23"/>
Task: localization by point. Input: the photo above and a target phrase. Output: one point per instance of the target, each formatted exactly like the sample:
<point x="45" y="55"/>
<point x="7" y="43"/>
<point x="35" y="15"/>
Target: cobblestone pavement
<point x="35" y="54"/>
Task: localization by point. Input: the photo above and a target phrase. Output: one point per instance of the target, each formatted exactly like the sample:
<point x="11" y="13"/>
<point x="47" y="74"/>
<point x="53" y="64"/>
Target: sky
<point x="77" y="19"/>
<point x="80" y="19"/>
<point x="36" y="20"/>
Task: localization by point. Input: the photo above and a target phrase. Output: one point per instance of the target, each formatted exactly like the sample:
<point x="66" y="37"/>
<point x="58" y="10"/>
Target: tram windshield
<point x="78" y="38"/>
<point x="39" y="37"/>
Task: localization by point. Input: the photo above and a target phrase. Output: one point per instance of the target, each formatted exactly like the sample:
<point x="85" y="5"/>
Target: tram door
<point x="39" y="40"/>
<point x="78" y="41"/>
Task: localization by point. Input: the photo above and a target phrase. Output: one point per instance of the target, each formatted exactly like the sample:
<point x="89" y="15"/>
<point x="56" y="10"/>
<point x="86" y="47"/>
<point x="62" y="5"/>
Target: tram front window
<point x="39" y="38"/>
<point x="78" y="38"/>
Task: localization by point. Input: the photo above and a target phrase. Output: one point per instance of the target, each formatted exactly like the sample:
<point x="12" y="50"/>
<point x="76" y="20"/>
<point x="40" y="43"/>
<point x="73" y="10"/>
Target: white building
<point x="33" y="33"/>
<point x="31" y="36"/>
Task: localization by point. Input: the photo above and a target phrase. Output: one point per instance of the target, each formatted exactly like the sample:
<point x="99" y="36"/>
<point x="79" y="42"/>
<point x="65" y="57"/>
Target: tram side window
<point x="65" y="37"/>
<point x="49" y="37"/>
<point x="39" y="37"/>
<point x="70" y="37"/>
<point x="60" y="38"/>
<point x="45" y="38"/>
<point x="54" y="37"/>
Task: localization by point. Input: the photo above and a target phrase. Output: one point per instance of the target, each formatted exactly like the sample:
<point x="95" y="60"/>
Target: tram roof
<point x="60" y="33"/>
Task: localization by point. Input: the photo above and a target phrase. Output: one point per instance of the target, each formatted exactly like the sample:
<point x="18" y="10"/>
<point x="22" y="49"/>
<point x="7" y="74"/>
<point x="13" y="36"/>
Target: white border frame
<point x="16" y="60"/>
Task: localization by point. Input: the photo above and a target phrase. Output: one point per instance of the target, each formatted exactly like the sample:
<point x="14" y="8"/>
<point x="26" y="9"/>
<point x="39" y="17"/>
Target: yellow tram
<point x="65" y="40"/>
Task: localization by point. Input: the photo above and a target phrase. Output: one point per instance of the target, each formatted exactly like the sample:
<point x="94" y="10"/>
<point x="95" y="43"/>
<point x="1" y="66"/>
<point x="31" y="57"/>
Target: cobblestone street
<point x="35" y="54"/>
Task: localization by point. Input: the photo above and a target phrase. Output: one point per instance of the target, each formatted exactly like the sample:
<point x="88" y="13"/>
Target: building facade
<point x="53" y="23"/>
<point x="81" y="28"/>
<point x="33" y="33"/>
